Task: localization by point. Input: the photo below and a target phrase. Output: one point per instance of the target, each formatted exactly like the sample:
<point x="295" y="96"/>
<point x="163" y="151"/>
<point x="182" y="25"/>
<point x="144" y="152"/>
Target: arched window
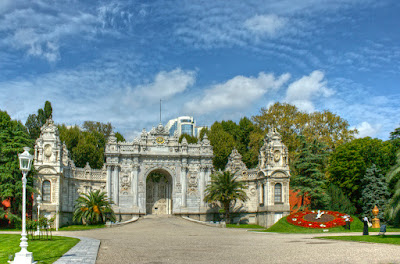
<point x="46" y="191"/>
<point x="278" y="193"/>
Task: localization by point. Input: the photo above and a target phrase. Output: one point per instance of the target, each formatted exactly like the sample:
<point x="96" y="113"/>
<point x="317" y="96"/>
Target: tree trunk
<point x="226" y="207"/>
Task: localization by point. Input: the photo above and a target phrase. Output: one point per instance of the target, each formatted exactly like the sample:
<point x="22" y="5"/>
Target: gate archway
<point x="159" y="192"/>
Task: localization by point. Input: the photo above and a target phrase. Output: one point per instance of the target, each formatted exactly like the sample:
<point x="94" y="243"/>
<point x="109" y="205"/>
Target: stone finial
<point x="111" y="138"/>
<point x="184" y="141"/>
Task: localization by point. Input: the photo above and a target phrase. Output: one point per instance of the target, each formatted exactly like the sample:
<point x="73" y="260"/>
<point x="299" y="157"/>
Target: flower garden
<point x="309" y="219"/>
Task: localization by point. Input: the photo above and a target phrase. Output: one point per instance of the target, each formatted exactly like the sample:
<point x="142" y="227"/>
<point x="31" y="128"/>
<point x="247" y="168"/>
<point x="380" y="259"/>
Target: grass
<point x="247" y="226"/>
<point x="386" y="239"/>
<point x="80" y="227"/>
<point x="44" y="251"/>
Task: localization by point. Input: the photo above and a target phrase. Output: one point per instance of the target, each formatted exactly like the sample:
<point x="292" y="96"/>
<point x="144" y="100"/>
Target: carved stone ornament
<point x="48" y="150"/>
<point x="277" y="155"/>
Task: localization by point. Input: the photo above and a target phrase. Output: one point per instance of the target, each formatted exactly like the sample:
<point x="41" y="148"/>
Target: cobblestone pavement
<point x="174" y="240"/>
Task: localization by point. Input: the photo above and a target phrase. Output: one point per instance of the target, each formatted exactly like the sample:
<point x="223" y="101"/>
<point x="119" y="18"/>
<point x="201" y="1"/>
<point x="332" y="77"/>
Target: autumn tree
<point x="325" y="126"/>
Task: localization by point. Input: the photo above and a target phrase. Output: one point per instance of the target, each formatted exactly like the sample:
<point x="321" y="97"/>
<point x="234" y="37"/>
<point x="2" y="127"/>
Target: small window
<point x="278" y="193"/>
<point x="46" y="191"/>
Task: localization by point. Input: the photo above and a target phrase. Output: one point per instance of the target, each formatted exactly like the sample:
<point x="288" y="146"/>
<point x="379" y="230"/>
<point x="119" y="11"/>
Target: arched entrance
<point x="159" y="192"/>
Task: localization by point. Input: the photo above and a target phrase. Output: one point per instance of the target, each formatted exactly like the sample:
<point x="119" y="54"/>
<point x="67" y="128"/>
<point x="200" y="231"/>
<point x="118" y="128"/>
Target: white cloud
<point x="166" y="85"/>
<point x="270" y="24"/>
<point x="237" y="93"/>
<point x="365" y="129"/>
<point x="303" y="91"/>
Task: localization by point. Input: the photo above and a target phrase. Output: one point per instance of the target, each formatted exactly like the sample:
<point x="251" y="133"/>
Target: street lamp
<point x="25" y="162"/>
<point x="38" y="201"/>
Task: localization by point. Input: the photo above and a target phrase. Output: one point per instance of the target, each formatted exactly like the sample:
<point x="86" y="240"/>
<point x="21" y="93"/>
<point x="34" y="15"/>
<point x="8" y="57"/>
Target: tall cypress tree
<point x="308" y="177"/>
<point x="375" y="191"/>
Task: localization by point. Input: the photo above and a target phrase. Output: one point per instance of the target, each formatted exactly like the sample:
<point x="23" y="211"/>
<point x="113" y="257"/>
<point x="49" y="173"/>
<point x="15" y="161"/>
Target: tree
<point x="13" y="137"/>
<point x="325" y="126"/>
<point x="348" y="164"/>
<point x="120" y="138"/>
<point x="226" y="190"/>
<point x="339" y="201"/>
<point x="87" y="145"/>
<point x="395" y="134"/>
<point x="190" y="139"/>
<point x="374" y="191"/>
<point x="222" y="143"/>
<point x="35" y="122"/>
<point x="92" y="208"/>
<point x="393" y="178"/>
<point x="307" y="174"/>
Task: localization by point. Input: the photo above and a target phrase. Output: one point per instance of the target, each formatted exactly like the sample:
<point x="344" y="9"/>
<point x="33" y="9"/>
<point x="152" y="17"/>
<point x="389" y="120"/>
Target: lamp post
<point x="25" y="162"/>
<point x="38" y="201"/>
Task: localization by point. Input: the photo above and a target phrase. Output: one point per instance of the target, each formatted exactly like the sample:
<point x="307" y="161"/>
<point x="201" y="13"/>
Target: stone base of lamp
<point x="376" y="223"/>
<point x="23" y="257"/>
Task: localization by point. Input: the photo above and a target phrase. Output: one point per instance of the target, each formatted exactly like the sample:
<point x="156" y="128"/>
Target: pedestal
<point x="23" y="257"/>
<point x="376" y="223"/>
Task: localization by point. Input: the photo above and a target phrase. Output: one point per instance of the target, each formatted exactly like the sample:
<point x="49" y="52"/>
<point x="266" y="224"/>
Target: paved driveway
<point x="174" y="240"/>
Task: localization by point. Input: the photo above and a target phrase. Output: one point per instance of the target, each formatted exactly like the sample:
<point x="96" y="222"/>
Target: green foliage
<point x="190" y="139"/>
<point x="93" y="126"/>
<point x="307" y="175"/>
<point x="395" y="134"/>
<point x="204" y="131"/>
<point x="13" y="137"/>
<point x="349" y="162"/>
<point x="120" y="138"/>
<point x="339" y="201"/>
<point x="374" y="191"/>
<point x="92" y="208"/>
<point x="35" y="122"/>
<point x="225" y="190"/>
<point x="222" y="143"/>
<point x="87" y="146"/>
<point x="393" y="177"/>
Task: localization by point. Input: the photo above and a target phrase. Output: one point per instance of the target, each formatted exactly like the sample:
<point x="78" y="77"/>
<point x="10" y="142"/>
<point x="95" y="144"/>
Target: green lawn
<point x="79" y="227"/>
<point x="44" y="251"/>
<point x="247" y="226"/>
<point x="387" y="239"/>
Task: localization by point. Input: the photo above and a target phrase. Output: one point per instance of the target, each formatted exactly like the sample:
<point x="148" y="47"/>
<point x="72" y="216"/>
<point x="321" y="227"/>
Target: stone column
<point x="202" y="185"/>
<point x="108" y="183"/>
<point x="116" y="185"/>
<point x="268" y="193"/>
<point x="135" y="182"/>
<point x="184" y="186"/>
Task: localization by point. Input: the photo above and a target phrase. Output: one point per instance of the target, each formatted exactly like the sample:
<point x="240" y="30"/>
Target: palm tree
<point x="93" y="207"/>
<point x="226" y="190"/>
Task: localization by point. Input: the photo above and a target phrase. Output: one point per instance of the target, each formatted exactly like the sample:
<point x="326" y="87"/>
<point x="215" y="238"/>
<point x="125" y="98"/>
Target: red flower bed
<point x="308" y="219"/>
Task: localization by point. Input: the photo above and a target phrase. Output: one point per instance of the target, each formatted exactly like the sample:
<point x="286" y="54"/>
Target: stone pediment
<point x="47" y="170"/>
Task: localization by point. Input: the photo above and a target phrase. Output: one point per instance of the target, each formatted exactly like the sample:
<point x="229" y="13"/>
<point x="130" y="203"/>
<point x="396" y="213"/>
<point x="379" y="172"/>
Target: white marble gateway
<point x="155" y="174"/>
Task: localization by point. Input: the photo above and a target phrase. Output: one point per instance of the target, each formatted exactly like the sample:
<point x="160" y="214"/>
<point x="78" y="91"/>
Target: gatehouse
<point x="155" y="174"/>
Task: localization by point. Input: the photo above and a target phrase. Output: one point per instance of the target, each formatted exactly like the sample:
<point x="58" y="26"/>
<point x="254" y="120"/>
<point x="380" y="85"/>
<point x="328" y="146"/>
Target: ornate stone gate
<point x="127" y="177"/>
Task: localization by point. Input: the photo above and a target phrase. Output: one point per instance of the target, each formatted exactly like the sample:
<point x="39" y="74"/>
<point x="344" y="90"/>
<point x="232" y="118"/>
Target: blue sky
<point x="112" y="61"/>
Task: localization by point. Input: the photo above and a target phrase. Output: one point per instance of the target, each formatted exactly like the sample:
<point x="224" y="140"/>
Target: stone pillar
<point x="116" y="185"/>
<point x="268" y="193"/>
<point x="184" y="186"/>
<point x="108" y="183"/>
<point x="135" y="182"/>
<point x="202" y="185"/>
